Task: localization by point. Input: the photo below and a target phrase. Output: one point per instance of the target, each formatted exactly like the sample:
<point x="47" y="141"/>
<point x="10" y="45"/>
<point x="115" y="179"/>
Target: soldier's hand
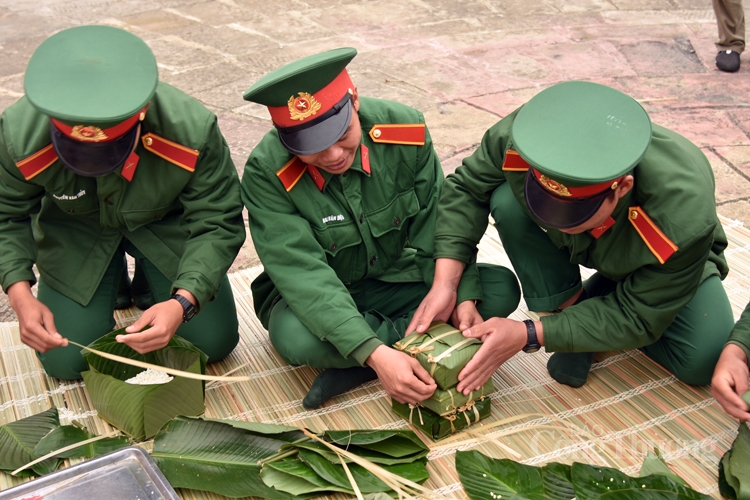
<point x="402" y="376"/>
<point x="35" y="320"/>
<point x="465" y="315"/>
<point x="730" y="381"/>
<point x="437" y="305"/>
<point x="501" y="339"/>
<point x="164" y="319"/>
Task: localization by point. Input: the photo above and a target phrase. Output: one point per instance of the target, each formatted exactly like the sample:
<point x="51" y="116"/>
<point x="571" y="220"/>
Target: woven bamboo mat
<point x="629" y="405"/>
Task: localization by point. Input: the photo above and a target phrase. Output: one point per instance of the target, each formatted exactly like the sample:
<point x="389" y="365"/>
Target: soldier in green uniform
<point x="730" y="380"/>
<point x="579" y="176"/>
<point x="100" y="158"/>
<point x="342" y="198"/>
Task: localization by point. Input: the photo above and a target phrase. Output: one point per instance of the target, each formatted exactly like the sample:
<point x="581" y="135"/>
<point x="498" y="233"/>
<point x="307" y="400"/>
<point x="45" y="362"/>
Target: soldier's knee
<point x="287" y="335"/>
<point x="503" y="202"/>
<point x="64" y="363"/>
<point x="500" y="290"/>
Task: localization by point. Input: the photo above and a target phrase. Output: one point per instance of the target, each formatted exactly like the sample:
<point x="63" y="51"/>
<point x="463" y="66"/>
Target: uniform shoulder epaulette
<point x="33" y="165"/>
<point x="514" y="163"/>
<point x="177" y="154"/>
<point x="409" y="134"/>
<point x="658" y="242"/>
<point x="291" y="173"/>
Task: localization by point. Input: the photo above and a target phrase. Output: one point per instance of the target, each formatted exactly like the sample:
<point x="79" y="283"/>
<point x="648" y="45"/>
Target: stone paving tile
<point x="463" y="63"/>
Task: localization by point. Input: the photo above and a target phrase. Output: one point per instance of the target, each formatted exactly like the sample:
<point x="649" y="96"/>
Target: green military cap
<point x="94" y="82"/>
<point x="309" y="100"/>
<point x="580" y="139"/>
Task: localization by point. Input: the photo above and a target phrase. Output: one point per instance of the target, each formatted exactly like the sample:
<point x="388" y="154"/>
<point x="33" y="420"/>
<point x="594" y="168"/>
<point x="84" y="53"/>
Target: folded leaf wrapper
<point x="439" y="427"/>
<point x="141" y="410"/>
<point x="442" y="350"/>
<point x="445" y="402"/>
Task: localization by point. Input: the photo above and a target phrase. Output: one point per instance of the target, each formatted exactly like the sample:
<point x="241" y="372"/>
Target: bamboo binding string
<point x="171" y="371"/>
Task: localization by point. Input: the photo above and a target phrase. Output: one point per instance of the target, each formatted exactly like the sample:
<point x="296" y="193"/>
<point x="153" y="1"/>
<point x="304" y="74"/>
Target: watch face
<point x="531" y="349"/>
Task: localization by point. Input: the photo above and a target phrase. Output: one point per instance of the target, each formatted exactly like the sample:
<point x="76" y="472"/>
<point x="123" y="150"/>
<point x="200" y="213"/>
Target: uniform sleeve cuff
<point x="363" y="352"/>
<point x="22" y="274"/>
<point x="555" y="336"/>
<point x="197" y="284"/>
<point x="741" y="346"/>
<point x="469" y="288"/>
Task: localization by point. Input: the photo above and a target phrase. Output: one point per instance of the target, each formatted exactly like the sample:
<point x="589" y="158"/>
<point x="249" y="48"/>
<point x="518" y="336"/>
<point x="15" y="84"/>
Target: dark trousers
<point x="214" y="330"/>
<point x="689" y="347"/>
<point x="387" y="308"/>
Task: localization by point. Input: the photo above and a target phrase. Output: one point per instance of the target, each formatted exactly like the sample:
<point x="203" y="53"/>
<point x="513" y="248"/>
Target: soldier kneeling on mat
<point x="99" y="158"/>
<point x="579" y="176"/>
<point x="342" y="199"/>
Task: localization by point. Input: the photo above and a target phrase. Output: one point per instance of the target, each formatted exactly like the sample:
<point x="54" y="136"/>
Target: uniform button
<point x="633" y="214"/>
<point x="71" y="211"/>
<point x="108" y="201"/>
<point x="361" y="218"/>
<point x="149" y="141"/>
<point x="345" y="174"/>
<point x="334" y="247"/>
<point x="397" y="221"/>
<point x="373" y="260"/>
<point x="376" y="133"/>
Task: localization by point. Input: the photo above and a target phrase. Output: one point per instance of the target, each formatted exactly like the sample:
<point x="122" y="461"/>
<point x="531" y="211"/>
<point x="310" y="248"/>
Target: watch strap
<point x="532" y="341"/>
<point x="188" y="309"/>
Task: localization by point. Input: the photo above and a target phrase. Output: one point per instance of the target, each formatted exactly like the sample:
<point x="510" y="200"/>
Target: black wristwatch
<point x="188" y="309"/>
<point x="532" y="342"/>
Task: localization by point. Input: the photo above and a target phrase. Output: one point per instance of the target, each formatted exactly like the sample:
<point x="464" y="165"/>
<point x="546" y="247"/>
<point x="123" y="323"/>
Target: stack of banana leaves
<point x="236" y="459"/>
<point x="443" y="351"/>
<point x="734" y="468"/>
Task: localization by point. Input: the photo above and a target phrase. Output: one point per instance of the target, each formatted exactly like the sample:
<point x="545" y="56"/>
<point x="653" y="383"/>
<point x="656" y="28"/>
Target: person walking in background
<point x="730" y="19"/>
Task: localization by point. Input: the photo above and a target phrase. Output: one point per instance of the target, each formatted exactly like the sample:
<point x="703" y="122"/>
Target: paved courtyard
<point x="463" y="63"/>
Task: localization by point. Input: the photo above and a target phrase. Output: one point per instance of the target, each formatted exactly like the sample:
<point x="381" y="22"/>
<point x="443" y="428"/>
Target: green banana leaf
<point x="372" y="456"/>
<point x="367" y="482"/>
<point x="297" y="478"/>
<point x="746" y="397"/>
<point x="214" y="456"/>
<point x="18" y="440"/>
<point x="728" y="484"/>
<point x="591" y="482"/>
<point x="397" y="444"/>
<point x="141" y="410"/>
<point x="282" y="432"/>
<point x="67" y="435"/>
<point x="734" y="471"/>
<point x="655" y="464"/>
<point x="486" y="478"/>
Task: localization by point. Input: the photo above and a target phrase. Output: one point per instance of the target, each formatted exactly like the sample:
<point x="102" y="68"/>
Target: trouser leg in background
<point x="730" y="19"/>
<point x="547" y="276"/>
<point x="692" y="343"/>
<point x="214" y="330"/>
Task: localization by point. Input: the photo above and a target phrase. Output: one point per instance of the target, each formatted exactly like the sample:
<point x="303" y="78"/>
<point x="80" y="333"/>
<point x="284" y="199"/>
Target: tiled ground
<point x="464" y="64"/>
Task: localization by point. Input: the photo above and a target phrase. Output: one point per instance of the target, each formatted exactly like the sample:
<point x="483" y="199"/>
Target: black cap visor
<point x="319" y="134"/>
<point x="557" y="212"/>
<point x="93" y="159"/>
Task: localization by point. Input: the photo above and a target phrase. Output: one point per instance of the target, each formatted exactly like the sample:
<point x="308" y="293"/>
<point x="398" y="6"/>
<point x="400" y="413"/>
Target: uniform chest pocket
<point x="394" y="215"/>
<point x="137" y="218"/>
<point x="336" y="237"/>
<point x="79" y="203"/>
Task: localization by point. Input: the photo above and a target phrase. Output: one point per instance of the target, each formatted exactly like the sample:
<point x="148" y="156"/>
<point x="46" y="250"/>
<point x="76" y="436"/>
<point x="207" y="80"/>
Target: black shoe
<point x="570" y="368"/>
<point x="335" y="381"/>
<point x="728" y="60"/>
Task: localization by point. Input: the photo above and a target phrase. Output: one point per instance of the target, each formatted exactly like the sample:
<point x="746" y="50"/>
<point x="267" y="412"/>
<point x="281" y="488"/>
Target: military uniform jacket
<point x="741" y="332"/>
<point x="182" y="208"/>
<point x="320" y="235"/>
<point x="672" y="204"/>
